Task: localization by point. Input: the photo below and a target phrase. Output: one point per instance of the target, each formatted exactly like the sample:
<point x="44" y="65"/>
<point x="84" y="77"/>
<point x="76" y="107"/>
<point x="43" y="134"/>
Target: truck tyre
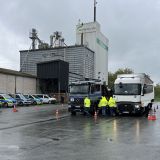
<point x="73" y="113"/>
<point x="140" y="112"/>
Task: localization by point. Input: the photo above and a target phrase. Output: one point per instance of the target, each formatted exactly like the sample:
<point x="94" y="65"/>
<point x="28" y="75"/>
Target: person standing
<point x="87" y="105"/>
<point x="148" y="109"/>
<point x="103" y="105"/>
<point x="112" y="106"/>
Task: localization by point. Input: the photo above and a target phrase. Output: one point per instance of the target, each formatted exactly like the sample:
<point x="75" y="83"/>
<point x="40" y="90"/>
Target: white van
<point x="46" y="99"/>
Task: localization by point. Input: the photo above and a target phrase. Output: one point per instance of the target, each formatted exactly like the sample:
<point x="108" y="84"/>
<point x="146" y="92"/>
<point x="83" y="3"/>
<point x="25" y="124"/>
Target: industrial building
<point x="80" y="59"/>
<point x="16" y="82"/>
<point x="87" y="59"/>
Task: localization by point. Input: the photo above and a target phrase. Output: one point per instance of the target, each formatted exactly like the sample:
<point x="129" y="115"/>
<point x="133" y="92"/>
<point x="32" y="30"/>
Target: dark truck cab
<point x="80" y="89"/>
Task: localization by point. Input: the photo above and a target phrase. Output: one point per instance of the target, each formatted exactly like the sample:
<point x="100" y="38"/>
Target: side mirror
<point x="143" y="90"/>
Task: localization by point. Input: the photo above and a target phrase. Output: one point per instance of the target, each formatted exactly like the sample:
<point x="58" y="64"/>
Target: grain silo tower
<point x="90" y="35"/>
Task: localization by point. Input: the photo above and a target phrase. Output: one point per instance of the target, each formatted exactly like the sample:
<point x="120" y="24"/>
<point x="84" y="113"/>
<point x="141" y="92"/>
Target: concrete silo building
<point x="90" y="35"/>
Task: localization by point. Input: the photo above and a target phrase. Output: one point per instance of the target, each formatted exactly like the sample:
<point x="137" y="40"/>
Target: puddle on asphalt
<point x="55" y="139"/>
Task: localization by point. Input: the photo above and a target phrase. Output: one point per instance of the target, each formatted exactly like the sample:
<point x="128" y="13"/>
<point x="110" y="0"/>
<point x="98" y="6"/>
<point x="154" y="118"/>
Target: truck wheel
<point x="141" y="112"/>
<point x="73" y="113"/>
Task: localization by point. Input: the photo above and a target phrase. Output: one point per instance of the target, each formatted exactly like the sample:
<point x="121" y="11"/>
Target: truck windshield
<point x="79" y="89"/>
<point x="127" y="89"/>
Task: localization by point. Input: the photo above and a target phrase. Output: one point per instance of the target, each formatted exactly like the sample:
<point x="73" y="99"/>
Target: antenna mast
<point x="95" y="10"/>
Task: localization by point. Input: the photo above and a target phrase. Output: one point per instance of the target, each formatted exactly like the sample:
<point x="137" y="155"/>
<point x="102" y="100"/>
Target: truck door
<point x="106" y="92"/>
<point x="95" y="93"/>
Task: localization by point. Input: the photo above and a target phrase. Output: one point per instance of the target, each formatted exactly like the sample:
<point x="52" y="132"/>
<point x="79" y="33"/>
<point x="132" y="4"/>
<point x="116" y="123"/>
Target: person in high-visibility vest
<point x="112" y="106"/>
<point x="87" y="105"/>
<point x="103" y="105"/>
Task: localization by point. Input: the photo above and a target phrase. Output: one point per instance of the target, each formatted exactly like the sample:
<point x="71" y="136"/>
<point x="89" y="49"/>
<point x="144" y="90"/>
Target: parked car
<point x="45" y="98"/>
<point x="34" y="99"/>
<point x="22" y="100"/>
<point x="0" y="104"/>
<point x="7" y="101"/>
<point x="52" y="99"/>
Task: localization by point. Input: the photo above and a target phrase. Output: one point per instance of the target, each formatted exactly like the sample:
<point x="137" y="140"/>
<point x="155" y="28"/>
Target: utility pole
<point x="95" y="10"/>
<point x="59" y="83"/>
<point x="15" y="86"/>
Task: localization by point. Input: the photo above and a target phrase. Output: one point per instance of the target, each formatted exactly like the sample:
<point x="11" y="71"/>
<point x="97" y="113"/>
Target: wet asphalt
<point x="38" y="133"/>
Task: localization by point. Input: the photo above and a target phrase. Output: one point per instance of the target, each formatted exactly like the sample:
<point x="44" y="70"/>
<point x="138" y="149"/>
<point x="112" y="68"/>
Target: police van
<point x="80" y="89"/>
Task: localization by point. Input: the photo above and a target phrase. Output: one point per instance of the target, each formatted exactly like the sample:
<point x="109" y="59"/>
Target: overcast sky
<point x="132" y="27"/>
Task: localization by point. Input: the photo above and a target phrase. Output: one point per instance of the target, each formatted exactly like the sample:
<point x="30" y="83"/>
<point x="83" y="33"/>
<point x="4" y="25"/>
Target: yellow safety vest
<point x="103" y="102"/>
<point x="112" y="102"/>
<point x="87" y="102"/>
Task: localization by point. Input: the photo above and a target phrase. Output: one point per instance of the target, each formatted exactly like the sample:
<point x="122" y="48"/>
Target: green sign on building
<point x="102" y="44"/>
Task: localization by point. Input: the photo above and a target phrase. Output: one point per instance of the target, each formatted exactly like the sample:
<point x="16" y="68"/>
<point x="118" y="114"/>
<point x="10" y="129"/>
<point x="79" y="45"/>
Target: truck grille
<point x="78" y="101"/>
<point x="125" y="107"/>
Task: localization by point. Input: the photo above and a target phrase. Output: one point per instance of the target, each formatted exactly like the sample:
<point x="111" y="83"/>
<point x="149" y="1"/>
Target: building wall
<point x="80" y="59"/>
<point x="19" y="84"/>
<point x="96" y="41"/>
<point x="25" y="85"/>
<point x="74" y="77"/>
<point x="53" y="81"/>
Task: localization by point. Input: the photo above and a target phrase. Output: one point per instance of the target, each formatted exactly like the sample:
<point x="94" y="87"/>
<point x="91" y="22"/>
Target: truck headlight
<point x="137" y="106"/>
<point x="72" y="99"/>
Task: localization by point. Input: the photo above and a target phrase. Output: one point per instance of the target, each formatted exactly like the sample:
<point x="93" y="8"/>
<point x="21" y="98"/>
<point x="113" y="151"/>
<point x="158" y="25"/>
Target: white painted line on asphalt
<point x="10" y="147"/>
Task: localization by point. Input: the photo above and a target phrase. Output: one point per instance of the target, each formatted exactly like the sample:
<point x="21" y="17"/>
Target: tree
<point x="113" y="76"/>
<point x="157" y="92"/>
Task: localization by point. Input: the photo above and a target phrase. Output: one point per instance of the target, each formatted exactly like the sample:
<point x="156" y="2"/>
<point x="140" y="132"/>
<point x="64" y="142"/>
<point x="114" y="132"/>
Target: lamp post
<point x="95" y="10"/>
<point x="15" y="85"/>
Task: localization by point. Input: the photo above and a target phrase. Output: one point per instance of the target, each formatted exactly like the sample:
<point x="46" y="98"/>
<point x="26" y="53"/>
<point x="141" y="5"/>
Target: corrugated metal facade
<point x="80" y="59"/>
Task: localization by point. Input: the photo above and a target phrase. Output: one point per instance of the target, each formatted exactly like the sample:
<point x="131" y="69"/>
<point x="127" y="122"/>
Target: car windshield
<point x="79" y="89"/>
<point x="127" y="89"/>
<point x="7" y="96"/>
<point x="22" y="96"/>
<point x="40" y="96"/>
<point x="35" y="96"/>
<point x="25" y="96"/>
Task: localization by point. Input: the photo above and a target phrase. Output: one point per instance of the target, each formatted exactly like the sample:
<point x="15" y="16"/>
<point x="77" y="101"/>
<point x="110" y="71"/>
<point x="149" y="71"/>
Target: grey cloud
<point x="132" y="27"/>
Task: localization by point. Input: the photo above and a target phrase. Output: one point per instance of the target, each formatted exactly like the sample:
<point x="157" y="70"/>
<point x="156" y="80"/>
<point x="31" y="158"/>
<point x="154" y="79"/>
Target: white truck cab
<point x="133" y="93"/>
